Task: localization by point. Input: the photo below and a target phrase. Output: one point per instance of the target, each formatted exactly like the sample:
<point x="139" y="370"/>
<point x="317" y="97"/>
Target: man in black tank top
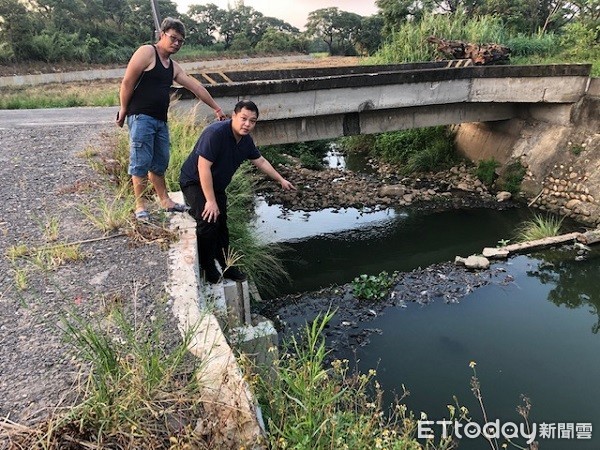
<point x="144" y="98"/>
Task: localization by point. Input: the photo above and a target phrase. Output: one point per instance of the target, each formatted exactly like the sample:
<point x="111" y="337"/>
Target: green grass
<point x="486" y="171"/>
<point x="412" y="151"/>
<point x="308" y="403"/>
<point x="539" y="227"/>
<point x="138" y="393"/>
<point x="97" y="93"/>
<point x="109" y="215"/>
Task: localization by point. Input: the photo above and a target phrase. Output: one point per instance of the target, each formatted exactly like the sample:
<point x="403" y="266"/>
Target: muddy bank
<point x="444" y="282"/>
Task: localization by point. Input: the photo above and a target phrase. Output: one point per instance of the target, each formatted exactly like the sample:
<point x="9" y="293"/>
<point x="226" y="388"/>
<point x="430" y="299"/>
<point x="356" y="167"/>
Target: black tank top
<point x="151" y="94"/>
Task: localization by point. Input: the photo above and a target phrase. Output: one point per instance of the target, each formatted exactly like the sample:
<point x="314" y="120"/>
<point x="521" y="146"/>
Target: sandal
<point x="178" y="207"/>
<point x="142" y="216"/>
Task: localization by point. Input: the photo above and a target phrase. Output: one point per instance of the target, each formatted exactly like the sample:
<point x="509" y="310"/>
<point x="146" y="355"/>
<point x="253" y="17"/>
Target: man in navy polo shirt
<point x="220" y="150"/>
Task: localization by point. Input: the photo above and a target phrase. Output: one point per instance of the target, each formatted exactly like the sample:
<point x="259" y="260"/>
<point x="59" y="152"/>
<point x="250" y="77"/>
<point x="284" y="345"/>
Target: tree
<point x="247" y="26"/>
<point x="396" y="12"/>
<point x="202" y="23"/>
<point x="369" y="38"/>
<point x="338" y="29"/>
<point x="274" y="40"/>
<point x="17" y="29"/>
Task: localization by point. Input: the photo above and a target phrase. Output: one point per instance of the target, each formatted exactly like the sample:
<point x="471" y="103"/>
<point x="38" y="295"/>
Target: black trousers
<point x="212" y="237"/>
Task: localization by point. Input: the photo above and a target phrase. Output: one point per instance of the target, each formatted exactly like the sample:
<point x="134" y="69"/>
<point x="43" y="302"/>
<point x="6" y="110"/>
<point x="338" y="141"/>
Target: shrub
<point x="310" y="154"/>
<point x="438" y="155"/>
<point x="416" y="150"/>
<point x="579" y="40"/>
<point x="358" y="144"/>
<point x="486" y="171"/>
<point x="511" y="178"/>
<point x="274" y="155"/>
<point x="311" y="161"/>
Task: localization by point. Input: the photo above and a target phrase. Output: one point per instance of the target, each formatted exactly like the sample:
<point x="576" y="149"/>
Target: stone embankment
<point x="566" y="189"/>
<point x="559" y="148"/>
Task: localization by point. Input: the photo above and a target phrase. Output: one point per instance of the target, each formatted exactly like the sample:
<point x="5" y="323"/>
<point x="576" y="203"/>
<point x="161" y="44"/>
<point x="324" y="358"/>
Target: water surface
<point x="536" y="335"/>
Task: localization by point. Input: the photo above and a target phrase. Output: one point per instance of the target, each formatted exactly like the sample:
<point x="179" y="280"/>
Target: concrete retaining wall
<point x="231" y="415"/>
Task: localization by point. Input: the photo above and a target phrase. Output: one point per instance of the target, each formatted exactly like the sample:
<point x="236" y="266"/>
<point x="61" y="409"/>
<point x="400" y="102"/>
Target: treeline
<point x="108" y="31"/>
<point x="105" y="31"/>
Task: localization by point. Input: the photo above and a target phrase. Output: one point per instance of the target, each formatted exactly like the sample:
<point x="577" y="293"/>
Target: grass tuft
<point x="539" y="227"/>
<point x="113" y="214"/>
<point x="138" y="394"/>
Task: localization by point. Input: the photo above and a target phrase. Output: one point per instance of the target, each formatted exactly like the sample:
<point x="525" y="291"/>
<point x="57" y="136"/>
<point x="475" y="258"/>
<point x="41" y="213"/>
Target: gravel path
<point x="44" y="179"/>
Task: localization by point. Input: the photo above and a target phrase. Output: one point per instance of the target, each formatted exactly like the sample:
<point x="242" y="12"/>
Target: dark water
<point x="536" y="336"/>
<point x="332" y="248"/>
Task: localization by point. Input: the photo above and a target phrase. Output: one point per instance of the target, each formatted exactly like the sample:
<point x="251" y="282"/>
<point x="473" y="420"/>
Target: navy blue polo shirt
<point x="217" y="144"/>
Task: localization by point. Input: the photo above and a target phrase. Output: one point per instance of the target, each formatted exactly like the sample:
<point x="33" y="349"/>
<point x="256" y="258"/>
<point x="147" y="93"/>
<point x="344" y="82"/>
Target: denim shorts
<point x="148" y="145"/>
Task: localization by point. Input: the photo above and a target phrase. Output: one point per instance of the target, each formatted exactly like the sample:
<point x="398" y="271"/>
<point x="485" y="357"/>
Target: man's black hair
<point x="172" y="24"/>
<point x="248" y="104"/>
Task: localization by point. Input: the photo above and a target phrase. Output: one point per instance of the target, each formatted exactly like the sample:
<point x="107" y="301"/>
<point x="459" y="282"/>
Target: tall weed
<point x="311" y="404"/>
<point x="539" y="44"/>
<point x="409" y="42"/>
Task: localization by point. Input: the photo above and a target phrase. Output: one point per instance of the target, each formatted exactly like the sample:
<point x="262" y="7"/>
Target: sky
<point x="294" y="12"/>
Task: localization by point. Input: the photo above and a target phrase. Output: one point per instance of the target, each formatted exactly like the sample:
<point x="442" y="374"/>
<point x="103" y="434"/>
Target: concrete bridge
<point x="300" y="105"/>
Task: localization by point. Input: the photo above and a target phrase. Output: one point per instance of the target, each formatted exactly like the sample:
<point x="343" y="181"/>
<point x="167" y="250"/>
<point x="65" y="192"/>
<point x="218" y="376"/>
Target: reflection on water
<point x="328" y="247"/>
<point x="536" y="336"/>
<point x="276" y="224"/>
<point x="523" y="340"/>
<point x="575" y="280"/>
<point x="355" y="162"/>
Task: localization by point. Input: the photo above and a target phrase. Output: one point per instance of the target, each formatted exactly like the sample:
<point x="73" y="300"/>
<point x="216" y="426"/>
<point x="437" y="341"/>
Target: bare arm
<point x="211" y="209"/>
<point x="193" y="85"/>
<point x="139" y="62"/>
<point x="265" y="167"/>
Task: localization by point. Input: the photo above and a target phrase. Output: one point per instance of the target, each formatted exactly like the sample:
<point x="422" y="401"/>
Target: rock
<point x="572" y="203"/>
<point x="503" y="196"/>
<point x="393" y="190"/>
<point x="495" y="252"/>
<point x="473" y="262"/>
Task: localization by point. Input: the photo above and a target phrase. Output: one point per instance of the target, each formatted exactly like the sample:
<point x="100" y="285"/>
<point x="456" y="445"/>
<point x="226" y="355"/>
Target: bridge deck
<point x="256" y="82"/>
<point x="308" y="104"/>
